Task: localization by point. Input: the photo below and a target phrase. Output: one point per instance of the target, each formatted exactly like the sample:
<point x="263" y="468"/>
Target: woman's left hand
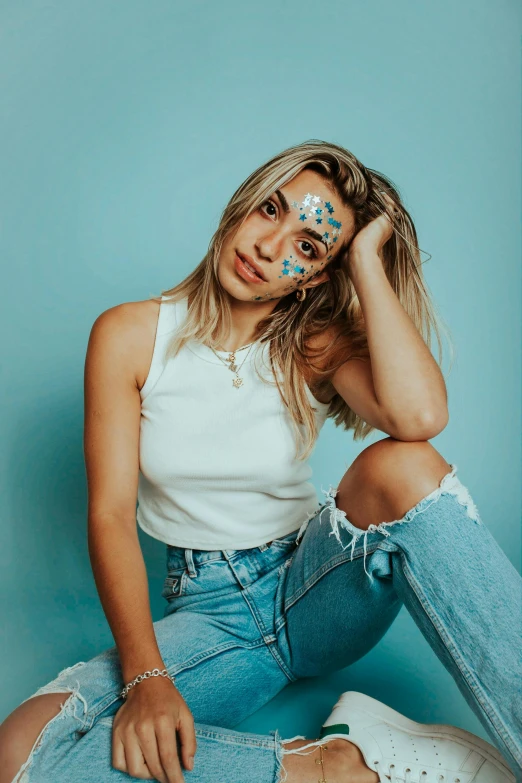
<point x="373" y="237"/>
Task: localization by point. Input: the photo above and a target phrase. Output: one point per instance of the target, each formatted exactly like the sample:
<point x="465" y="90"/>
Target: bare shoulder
<point x="127" y="331"/>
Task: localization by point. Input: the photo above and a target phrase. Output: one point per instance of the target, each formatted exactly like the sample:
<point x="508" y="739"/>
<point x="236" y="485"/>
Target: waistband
<point x="179" y="556"/>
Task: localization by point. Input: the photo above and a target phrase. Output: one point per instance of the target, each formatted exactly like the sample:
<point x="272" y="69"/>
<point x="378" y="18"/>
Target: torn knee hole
<point x="449" y="484"/>
<point x="61" y="685"/>
<point x="67" y="705"/>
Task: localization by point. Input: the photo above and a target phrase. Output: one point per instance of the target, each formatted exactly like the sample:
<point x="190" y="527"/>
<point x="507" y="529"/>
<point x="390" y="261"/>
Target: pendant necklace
<point x="230" y="362"/>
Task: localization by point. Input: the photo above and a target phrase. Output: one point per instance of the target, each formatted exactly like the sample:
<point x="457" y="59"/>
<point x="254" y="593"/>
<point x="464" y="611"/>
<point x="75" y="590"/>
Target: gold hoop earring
<point x="300" y="294"/>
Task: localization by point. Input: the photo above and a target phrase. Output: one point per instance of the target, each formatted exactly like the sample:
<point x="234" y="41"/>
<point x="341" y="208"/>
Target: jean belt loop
<point x="262" y="547"/>
<point x="191" y="568"/>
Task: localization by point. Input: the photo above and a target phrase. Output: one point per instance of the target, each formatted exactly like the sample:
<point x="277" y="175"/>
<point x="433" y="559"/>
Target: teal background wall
<point x="125" y="127"/>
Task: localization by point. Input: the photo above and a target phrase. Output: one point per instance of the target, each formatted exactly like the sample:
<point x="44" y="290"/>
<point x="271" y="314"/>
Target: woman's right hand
<point x="144" y="732"/>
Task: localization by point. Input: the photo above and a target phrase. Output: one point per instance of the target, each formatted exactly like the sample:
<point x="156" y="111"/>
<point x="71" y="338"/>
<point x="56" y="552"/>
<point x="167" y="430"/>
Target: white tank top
<point x="217" y="464"/>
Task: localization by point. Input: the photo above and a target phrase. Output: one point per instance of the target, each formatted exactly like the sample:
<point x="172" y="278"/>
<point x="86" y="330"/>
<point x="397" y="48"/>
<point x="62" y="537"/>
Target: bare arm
<point x="144" y="729"/>
<point x="401" y="387"/>
<point x="111" y="444"/>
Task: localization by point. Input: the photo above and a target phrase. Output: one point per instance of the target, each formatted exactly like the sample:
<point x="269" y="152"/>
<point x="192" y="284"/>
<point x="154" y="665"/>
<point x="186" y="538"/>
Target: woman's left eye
<point x="312" y="248"/>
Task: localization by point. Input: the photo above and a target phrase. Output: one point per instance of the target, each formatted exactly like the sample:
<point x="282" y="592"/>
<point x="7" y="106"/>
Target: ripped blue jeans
<point x="241" y="624"/>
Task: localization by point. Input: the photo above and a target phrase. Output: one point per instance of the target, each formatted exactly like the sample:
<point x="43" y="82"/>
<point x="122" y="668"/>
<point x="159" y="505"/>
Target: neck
<point x="245" y="317"/>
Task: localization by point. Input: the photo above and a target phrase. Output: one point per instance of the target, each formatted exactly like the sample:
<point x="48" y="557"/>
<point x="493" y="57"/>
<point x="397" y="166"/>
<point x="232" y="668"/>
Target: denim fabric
<point x="239" y="625"/>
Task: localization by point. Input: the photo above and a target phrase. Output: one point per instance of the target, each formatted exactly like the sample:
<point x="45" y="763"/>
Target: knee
<point x="389" y="477"/>
<point x="390" y="465"/>
<point x="21" y="729"/>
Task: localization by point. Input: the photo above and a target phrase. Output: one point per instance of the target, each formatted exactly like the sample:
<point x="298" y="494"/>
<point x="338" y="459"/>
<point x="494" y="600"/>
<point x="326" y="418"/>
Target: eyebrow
<point x="305" y="230"/>
<point x="284" y="202"/>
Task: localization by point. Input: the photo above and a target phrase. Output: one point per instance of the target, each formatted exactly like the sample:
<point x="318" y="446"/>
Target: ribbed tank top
<point x="217" y="463"/>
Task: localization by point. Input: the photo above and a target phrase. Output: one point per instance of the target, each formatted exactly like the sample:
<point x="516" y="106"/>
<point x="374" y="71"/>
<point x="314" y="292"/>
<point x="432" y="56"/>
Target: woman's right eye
<point x="269" y="203"/>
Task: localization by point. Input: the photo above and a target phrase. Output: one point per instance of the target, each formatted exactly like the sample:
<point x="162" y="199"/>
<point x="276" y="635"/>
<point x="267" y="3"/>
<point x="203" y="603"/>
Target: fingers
<point x="135" y="764"/>
<point x="144" y="740"/>
<point x="138" y="755"/>
<point x="187" y="737"/>
<point x="146" y="735"/>
<point x="391" y="203"/>
<point x="168" y="752"/>
<point x="118" y="753"/>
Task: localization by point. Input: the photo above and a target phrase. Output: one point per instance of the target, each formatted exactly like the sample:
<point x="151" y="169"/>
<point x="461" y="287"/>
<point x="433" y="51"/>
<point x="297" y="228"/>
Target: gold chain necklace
<point x="230" y="363"/>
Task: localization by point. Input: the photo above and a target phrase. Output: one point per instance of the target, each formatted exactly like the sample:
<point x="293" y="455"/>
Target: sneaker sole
<point x="351" y="701"/>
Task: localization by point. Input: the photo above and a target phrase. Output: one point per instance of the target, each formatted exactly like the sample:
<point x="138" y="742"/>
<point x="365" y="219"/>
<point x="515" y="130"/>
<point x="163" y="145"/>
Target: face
<point x="287" y="243"/>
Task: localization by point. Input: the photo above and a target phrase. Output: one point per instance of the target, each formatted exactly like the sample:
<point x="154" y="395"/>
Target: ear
<point x="322" y="278"/>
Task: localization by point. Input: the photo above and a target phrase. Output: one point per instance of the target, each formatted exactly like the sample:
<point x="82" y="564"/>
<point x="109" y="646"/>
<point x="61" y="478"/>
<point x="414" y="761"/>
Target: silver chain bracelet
<point x="145" y="676"/>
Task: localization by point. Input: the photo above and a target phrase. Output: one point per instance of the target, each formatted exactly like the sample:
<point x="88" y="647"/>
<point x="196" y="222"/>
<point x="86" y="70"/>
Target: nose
<point x="268" y="245"/>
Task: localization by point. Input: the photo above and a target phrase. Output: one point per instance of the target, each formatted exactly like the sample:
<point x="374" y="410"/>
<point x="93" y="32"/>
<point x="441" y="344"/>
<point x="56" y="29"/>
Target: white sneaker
<point x="402" y="751"/>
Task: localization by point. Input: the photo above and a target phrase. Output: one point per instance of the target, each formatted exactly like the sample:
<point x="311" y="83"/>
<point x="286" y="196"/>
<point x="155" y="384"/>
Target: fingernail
<point x="191" y="762"/>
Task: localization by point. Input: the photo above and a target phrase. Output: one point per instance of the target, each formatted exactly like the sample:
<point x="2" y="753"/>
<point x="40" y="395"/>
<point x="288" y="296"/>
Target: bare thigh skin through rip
<point x="22" y="728"/>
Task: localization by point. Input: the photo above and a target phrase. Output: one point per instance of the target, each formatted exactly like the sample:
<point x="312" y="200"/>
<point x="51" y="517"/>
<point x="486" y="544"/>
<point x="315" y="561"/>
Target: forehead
<point x="315" y="206"/>
<point x="306" y="186"/>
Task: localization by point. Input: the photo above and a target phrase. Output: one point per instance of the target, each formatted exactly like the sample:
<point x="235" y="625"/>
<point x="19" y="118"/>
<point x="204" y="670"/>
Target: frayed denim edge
<point x="449" y="484"/>
<point x="302" y="750"/>
<point x="67" y="708"/>
<point x="280" y="751"/>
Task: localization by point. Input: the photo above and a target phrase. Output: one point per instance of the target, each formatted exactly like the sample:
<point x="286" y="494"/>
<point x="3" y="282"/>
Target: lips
<point x="251" y="266"/>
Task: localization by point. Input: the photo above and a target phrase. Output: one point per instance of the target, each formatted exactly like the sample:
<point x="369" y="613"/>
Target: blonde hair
<point x="335" y="303"/>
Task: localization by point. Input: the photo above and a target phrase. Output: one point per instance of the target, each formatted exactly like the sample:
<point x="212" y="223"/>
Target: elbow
<point x="433" y="422"/>
<point x="424" y="425"/>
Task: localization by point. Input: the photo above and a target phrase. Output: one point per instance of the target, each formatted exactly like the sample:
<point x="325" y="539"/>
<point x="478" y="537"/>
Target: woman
<point x="204" y="406"/>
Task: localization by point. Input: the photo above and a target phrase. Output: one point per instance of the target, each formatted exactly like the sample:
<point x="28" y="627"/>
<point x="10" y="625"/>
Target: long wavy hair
<point x="334" y="303"/>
